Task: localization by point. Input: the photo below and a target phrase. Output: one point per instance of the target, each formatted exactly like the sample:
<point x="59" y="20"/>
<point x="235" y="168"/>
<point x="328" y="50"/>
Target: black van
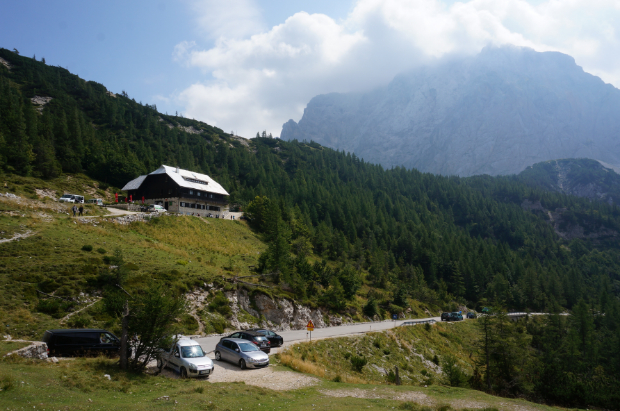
<point x="81" y="342"/>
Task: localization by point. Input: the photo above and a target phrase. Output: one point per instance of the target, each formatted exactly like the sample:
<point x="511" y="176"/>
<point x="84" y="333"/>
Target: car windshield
<point x="261" y="332"/>
<point x="193" y="351"/>
<point x="247" y="347"/>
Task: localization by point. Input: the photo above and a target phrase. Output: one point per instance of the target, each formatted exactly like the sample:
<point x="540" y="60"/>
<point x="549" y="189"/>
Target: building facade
<point x="180" y="191"/>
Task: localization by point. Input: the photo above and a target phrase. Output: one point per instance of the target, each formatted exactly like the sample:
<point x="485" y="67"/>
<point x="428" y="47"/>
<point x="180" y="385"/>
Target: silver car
<point x="241" y="352"/>
<point x="187" y="357"/>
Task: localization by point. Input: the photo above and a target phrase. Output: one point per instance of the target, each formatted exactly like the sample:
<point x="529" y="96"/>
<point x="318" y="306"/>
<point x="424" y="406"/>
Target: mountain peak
<point x="494" y="113"/>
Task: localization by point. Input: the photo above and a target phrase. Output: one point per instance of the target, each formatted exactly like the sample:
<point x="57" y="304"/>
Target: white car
<point x="156" y="208"/>
<point x="71" y="198"/>
<point x="187" y="357"/>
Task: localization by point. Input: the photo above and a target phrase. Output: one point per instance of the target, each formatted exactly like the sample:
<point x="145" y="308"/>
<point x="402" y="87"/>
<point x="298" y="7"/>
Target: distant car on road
<point x="96" y="201"/>
<point x="445" y="316"/>
<point x="455" y="317"/>
<point x="241" y="352"/>
<point x="275" y="339"/>
<point x="471" y="315"/>
<point x="80" y="342"/>
<point x="257" y="338"/>
<point x="187" y="357"/>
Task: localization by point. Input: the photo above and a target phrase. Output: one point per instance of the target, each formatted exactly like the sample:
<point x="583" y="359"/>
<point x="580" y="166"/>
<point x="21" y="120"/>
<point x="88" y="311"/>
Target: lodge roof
<point x="184" y="178"/>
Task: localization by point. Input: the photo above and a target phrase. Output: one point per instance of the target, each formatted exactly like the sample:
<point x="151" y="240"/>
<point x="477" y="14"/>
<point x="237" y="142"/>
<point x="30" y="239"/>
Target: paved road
<point x="294" y="336"/>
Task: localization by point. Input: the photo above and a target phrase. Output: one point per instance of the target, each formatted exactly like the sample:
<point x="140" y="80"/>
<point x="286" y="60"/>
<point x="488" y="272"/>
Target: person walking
<point x="74" y="209"/>
<point x="81" y="209"/>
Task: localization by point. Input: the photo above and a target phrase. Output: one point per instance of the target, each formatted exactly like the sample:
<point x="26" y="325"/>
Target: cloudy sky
<point x="250" y="65"/>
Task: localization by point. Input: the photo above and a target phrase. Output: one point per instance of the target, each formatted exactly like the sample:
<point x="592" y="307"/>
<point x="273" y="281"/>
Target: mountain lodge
<point x="180" y="191"/>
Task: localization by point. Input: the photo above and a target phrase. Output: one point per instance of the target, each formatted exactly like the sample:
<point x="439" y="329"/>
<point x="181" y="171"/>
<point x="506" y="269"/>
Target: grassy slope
<point x="80" y="385"/>
<point x="182" y="251"/>
<point x="411" y="348"/>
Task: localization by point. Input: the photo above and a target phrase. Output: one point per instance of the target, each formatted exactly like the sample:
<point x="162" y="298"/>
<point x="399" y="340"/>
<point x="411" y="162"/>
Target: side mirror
<point x="176" y="354"/>
<point x="237" y="349"/>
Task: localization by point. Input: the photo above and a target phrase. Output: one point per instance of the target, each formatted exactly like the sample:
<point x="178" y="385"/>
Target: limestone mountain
<point x="494" y="113"/>
<point x="579" y="177"/>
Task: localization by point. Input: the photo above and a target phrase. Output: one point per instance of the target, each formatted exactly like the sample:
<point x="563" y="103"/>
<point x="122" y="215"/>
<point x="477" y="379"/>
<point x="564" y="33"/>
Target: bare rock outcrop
<point x="36" y="350"/>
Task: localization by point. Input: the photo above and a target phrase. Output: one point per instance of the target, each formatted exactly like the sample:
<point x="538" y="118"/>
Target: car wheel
<point x="242" y="364"/>
<point x="218" y="356"/>
<point x="183" y="373"/>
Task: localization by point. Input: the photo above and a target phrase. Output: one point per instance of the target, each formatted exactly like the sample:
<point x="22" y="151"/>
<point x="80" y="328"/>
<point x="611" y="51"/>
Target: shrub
<point x="436" y="359"/>
<point x="101" y="250"/>
<point x="7" y="383"/>
<point x="87" y="247"/>
<point x="220" y="304"/>
<point x="80" y="320"/>
<point x="217" y="324"/>
<point x="54" y="307"/>
<point x="371" y="308"/>
<point x="427" y="327"/>
<point x="358" y="363"/>
<point x="181" y="262"/>
<point x="337" y="378"/>
<point x="455" y="377"/>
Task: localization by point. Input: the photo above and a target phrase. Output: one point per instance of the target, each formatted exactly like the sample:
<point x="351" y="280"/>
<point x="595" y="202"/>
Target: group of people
<point x="75" y="210"/>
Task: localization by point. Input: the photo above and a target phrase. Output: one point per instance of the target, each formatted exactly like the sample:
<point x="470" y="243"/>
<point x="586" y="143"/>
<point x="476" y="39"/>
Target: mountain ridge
<point x="495" y="113"/>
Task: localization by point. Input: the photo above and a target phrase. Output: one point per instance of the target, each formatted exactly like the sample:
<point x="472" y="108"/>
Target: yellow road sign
<point x="310" y="326"/>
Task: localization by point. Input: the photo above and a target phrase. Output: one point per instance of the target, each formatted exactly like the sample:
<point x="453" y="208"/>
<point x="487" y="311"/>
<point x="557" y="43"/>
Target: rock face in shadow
<point x="578" y="177"/>
<point x="495" y="113"/>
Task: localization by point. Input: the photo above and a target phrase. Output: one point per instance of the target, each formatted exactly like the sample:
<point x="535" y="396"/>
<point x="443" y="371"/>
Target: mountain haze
<point x="495" y="113"/>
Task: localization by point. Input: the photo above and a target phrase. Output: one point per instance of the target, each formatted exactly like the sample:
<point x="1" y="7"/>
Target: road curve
<point x="295" y="336"/>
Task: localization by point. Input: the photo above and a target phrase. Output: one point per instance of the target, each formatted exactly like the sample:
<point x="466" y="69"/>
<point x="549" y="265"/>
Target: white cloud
<point x="259" y="78"/>
<point x="228" y="18"/>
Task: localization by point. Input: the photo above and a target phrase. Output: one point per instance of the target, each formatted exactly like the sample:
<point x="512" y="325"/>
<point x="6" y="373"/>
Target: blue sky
<point x="249" y="65"/>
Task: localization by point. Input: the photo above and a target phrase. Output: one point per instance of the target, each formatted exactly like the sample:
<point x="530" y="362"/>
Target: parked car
<point x="156" y="208"/>
<point x="187" y="357"/>
<point x="471" y="315"/>
<point x="275" y="339"/>
<point x="456" y="317"/>
<point x="71" y="198"/>
<point x="258" y="339"/>
<point x="81" y="342"/>
<point x="96" y="201"/>
<point x="241" y="352"/>
<point x="445" y="316"/>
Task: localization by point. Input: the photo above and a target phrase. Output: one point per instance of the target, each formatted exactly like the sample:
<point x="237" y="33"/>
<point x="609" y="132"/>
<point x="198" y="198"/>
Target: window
<point x="193" y="205"/>
<point x="191" y="192"/>
<point x="210" y="195"/>
<point x="193" y="351"/>
<point x="192" y="180"/>
<point x="198" y="193"/>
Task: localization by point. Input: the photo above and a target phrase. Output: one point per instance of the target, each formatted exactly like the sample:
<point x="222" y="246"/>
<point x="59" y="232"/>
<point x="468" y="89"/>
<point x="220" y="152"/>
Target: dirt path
<point x="66" y="317"/>
<point x="17" y="237"/>
<point x="116" y="212"/>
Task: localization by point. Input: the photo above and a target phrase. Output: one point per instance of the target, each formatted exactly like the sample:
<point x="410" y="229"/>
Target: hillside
<point x="578" y="177"/>
<point x="326" y="229"/>
<point x="495" y="113"/>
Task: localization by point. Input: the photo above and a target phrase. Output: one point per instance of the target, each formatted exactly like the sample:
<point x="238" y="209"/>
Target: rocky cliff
<point x="579" y="177"/>
<point x="494" y="113"/>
